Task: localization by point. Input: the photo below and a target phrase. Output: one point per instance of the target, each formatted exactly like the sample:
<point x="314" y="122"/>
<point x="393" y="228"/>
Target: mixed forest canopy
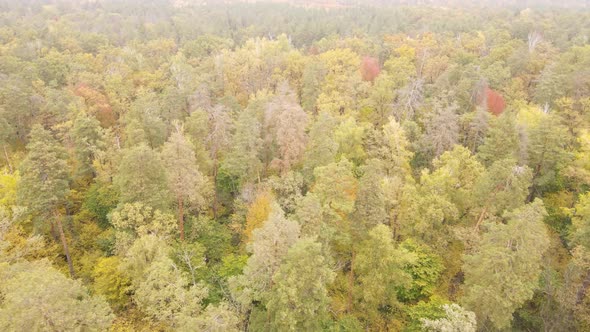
<point x="176" y="165"/>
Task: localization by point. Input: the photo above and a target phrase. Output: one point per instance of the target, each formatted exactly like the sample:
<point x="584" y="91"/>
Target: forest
<point x="178" y="165"/>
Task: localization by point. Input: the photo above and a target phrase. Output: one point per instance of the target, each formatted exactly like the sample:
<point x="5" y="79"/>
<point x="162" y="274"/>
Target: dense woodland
<point x="177" y="166"/>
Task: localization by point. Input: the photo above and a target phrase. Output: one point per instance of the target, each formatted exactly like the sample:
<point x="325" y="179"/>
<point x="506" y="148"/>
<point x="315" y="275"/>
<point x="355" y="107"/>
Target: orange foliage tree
<point x="370" y="68"/>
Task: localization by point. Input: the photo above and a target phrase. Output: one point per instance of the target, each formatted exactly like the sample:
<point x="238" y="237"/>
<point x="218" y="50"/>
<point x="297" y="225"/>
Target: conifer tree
<point x="44" y="185"/>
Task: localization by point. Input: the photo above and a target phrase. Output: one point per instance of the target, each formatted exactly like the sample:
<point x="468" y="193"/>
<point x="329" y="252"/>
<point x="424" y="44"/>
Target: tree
<point x="502" y="140"/>
<point x="494" y="102"/>
<point x="44" y="182"/>
<point x="457" y="319"/>
<point x="299" y="301"/>
<point x="185" y="180"/>
<point x="258" y="213"/>
<point x="336" y="188"/>
<point x="546" y="151"/>
<point x="503" y="187"/>
<point x="475" y="128"/>
<point x="458" y="172"/>
<point x="6" y="134"/>
<point x="144" y="123"/>
<point x="37" y="297"/>
<point x="111" y="282"/>
<point x="163" y="293"/>
<point x="215" y="318"/>
<point x="393" y="149"/>
<point x="579" y="168"/>
<point x="370" y="207"/>
<point x="196" y="127"/>
<point x="312" y="78"/>
<point x="369" y="68"/>
<point x="141" y="177"/>
<point x="442" y="129"/>
<point x="350" y="137"/>
<point x="379" y="268"/>
<point x="322" y="147"/>
<point x="269" y="245"/>
<point x="135" y="220"/>
<point x="88" y="138"/>
<point x="579" y="269"/>
<point x="381" y="99"/>
<point x="504" y="271"/>
<point x="426" y="269"/>
<point x="581" y="222"/>
<point x="341" y="80"/>
<point x="288" y="122"/>
<point x="243" y="158"/>
<point x="217" y="141"/>
<point x="288" y="190"/>
<point x="309" y="216"/>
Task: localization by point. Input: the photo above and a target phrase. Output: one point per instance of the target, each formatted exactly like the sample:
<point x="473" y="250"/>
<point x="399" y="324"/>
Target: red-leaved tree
<point x="494" y="101"/>
<point x="370" y="68"/>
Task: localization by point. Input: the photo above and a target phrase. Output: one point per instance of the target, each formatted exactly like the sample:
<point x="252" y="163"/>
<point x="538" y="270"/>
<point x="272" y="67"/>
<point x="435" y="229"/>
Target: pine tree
<point x="185" y="181"/>
<point x="88" y="140"/>
<point x="502" y="140"/>
<point x="44" y="185"/>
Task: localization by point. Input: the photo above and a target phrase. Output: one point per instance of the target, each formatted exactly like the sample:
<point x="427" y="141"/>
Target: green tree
<point x="322" y="147"/>
<point x="503" y="187"/>
<point x="547" y="152"/>
<point x="394" y="149"/>
<point x="504" y="271"/>
<point x="44" y="183"/>
<point x="370" y="206"/>
<point x="336" y="188"/>
<point x="456" y="319"/>
<point x="269" y="245"/>
<point x="502" y="140"/>
<point x="135" y="220"/>
<point x="144" y="123"/>
<point x="299" y="301"/>
<point x="88" y="138"/>
<point x="243" y="158"/>
<point x="350" y="137"/>
<point x="185" y="180"/>
<point x="215" y="318"/>
<point x="379" y="267"/>
<point x="37" y="297"/>
<point x="164" y="295"/>
<point x="141" y="177"/>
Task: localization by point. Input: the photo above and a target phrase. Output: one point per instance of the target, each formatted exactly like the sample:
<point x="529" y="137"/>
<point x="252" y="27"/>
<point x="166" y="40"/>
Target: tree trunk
<point x="582" y="291"/>
<point x="64" y="243"/>
<point x="350" y="283"/>
<point x="481" y="217"/>
<point x="181" y="217"/>
<point x="215" y="198"/>
<point x="7" y="159"/>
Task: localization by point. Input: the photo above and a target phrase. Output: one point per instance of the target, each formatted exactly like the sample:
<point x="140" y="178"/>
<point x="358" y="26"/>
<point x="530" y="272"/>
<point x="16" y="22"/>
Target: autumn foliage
<point x="494" y="101"/>
<point x="97" y="104"/>
<point x="257" y="214"/>
<point x="370" y="68"/>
